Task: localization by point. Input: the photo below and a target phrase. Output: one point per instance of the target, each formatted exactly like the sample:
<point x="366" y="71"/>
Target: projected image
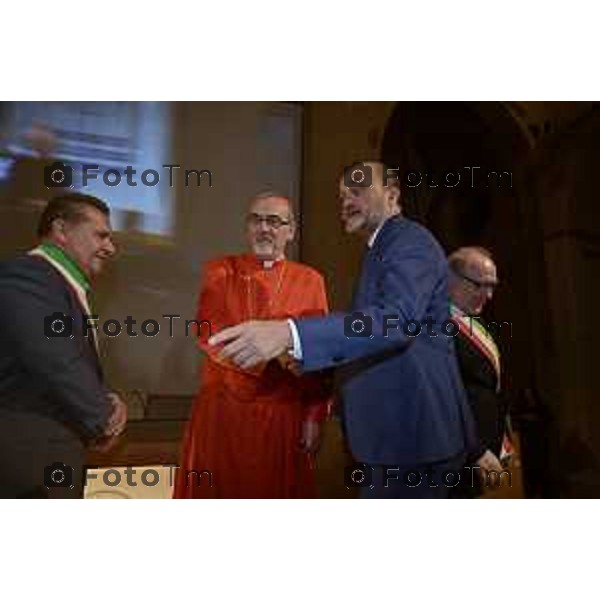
<point x="117" y="141"/>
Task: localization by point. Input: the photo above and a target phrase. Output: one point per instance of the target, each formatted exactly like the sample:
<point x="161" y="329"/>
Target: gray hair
<point x="275" y="194"/>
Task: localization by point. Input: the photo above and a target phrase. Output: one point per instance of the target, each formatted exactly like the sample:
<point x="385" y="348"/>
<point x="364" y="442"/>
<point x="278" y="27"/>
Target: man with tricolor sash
<point x="473" y="279"/>
<point x="53" y="400"/>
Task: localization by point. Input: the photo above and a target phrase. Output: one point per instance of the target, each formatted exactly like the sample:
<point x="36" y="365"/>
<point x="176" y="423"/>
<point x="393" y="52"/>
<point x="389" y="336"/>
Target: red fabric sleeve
<point x="213" y="315"/>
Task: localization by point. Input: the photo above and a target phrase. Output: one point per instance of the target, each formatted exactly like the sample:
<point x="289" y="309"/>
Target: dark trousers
<point x="39" y="458"/>
<point x="436" y="480"/>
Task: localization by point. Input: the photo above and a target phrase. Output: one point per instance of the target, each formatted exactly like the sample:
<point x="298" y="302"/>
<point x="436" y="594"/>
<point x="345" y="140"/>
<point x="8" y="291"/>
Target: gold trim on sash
<point x="476" y="333"/>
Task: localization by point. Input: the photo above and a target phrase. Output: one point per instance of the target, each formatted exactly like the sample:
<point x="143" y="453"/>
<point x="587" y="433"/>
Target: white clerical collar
<point x="268" y="264"/>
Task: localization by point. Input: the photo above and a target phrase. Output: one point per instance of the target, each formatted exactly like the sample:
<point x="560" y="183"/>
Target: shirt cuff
<point x="296" y="352"/>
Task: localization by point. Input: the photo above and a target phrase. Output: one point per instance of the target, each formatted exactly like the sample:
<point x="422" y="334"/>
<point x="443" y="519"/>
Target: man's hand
<point x="115" y="426"/>
<point x="253" y="342"/>
<point x="488" y="461"/>
<point x="311" y="436"/>
<point x="290" y="364"/>
<point x="118" y="418"/>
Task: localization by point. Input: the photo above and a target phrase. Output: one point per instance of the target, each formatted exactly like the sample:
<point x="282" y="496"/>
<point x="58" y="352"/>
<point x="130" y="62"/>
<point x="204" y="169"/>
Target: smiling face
<point x="269" y="227"/>
<point x="87" y="239"/>
<point x="365" y="208"/>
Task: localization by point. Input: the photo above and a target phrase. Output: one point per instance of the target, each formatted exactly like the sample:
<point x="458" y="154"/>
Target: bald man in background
<point x="255" y="431"/>
<point x="473" y="280"/>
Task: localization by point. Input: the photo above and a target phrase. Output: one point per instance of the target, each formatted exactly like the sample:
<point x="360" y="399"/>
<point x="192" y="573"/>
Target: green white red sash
<point x="471" y="329"/>
<point x="71" y="272"/>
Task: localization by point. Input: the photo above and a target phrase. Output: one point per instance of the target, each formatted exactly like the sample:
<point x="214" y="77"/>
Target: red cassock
<point x="242" y="440"/>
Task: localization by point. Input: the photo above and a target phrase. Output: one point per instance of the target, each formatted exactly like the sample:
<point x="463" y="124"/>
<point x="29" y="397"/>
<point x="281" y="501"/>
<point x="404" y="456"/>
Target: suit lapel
<point x="360" y="291"/>
<point x="371" y="260"/>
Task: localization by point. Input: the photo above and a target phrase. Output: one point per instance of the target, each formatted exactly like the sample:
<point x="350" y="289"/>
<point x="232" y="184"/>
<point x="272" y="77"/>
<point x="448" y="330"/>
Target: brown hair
<point x="68" y="207"/>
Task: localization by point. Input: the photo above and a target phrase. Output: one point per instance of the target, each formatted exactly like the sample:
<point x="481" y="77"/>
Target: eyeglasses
<point x="272" y="221"/>
<point x="481" y="285"/>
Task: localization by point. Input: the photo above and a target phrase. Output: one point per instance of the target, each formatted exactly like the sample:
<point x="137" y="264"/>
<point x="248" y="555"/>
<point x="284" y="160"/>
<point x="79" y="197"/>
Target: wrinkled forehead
<point x="91" y="217"/>
<point x="478" y="264"/>
<point x="271" y="205"/>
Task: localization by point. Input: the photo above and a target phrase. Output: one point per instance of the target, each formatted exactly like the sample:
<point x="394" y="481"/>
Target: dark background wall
<point x="543" y="230"/>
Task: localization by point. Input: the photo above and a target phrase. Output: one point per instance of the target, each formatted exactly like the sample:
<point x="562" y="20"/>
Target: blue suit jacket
<point x="403" y="399"/>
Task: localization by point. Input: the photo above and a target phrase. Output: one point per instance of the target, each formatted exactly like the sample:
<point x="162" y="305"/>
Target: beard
<point x="264" y="248"/>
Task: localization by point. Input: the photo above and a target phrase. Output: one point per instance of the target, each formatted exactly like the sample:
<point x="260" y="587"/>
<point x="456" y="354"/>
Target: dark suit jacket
<point x="403" y="399"/>
<point x="58" y="378"/>
<point x="488" y="407"/>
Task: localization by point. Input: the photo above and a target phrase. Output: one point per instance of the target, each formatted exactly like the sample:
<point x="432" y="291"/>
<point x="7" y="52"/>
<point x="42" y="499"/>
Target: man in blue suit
<point x="405" y="409"/>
